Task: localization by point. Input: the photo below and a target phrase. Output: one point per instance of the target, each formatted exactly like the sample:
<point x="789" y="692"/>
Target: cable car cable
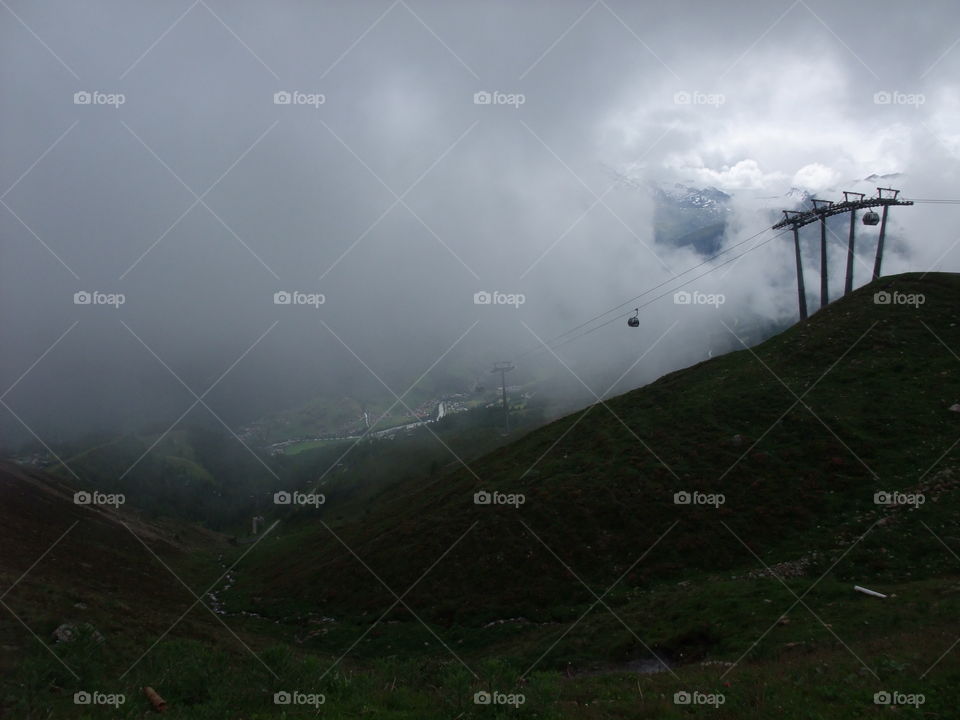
<point x="550" y="343"/>
<point x="653" y="300"/>
<point x="648" y="291"/>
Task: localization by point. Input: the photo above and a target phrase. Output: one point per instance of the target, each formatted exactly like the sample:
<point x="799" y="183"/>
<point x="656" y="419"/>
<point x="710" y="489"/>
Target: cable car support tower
<point x="503" y="368"/>
<point x="822" y="209"/>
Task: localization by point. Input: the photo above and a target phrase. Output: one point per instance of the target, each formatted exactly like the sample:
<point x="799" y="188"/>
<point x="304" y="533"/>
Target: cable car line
<point x="646" y="292"/>
<point x="649" y="302"/>
<point x="869" y="218"/>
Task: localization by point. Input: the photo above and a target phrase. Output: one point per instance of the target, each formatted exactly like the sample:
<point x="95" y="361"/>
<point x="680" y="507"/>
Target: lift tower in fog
<point x="822" y="209"/>
<point x="503" y="368"/>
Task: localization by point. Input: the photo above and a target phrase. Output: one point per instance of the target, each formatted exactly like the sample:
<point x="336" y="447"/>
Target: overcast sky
<point x="186" y="187"/>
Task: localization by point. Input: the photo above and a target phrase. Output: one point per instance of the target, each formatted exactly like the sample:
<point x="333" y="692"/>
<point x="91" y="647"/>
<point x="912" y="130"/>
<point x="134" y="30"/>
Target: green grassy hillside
<point x="874" y="384"/>
<point x="403" y="598"/>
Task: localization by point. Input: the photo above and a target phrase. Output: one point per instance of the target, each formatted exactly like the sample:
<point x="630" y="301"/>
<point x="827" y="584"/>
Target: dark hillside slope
<point x="797" y="433"/>
<point x="82" y="565"/>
